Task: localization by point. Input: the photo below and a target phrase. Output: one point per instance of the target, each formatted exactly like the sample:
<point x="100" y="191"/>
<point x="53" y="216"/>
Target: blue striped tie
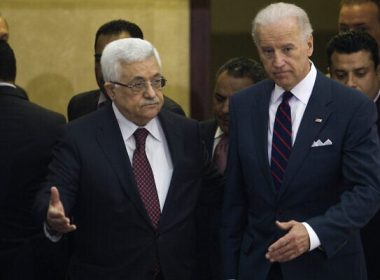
<point x="282" y="140"/>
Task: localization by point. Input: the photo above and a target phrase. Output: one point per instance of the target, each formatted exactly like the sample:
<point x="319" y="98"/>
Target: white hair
<point x="127" y="50"/>
<point x="278" y="12"/>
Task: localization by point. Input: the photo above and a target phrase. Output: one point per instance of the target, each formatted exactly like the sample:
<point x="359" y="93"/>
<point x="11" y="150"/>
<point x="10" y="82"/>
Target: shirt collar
<point x="128" y="128"/>
<point x="102" y="97"/>
<point x="302" y="90"/>
<point x="218" y="133"/>
<point x="7" y="84"/>
<point x="377" y="96"/>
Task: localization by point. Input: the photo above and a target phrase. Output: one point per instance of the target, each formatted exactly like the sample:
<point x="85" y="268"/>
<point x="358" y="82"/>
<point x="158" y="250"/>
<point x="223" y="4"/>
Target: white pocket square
<point x="319" y="143"/>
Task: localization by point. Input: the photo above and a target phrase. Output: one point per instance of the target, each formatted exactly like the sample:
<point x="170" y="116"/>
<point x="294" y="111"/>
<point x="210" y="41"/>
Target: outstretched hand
<point x="291" y="245"/>
<point x="56" y="217"/>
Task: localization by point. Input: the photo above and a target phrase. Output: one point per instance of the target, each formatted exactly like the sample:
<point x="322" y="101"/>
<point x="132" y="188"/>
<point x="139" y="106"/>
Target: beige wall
<point x="53" y="41"/>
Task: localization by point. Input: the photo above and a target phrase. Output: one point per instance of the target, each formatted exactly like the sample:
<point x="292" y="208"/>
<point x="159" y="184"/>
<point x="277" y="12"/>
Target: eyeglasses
<point x="142" y="86"/>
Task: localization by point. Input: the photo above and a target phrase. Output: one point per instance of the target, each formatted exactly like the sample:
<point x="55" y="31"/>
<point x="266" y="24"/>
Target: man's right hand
<point x="56" y="218"/>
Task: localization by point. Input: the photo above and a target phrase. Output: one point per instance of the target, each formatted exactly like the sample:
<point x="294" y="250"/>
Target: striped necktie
<point x="282" y="140"/>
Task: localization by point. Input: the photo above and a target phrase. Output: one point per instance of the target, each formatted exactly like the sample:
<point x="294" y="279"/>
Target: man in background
<point x="87" y="102"/>
<point x="28" y="133"/>
<point x="362" y="15"/>
<point x="353" y="60"/>
<point x="234" y="75"/>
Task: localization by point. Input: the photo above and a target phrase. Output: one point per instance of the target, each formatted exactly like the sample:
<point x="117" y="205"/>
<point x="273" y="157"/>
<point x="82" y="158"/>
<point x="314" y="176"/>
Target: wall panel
<point x="53" y="41"/>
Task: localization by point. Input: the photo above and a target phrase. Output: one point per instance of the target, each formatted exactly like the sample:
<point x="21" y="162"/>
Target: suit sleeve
<point x="360" y="167"/>
<point x="234" y="204"/>
<point x="64" y="170"/>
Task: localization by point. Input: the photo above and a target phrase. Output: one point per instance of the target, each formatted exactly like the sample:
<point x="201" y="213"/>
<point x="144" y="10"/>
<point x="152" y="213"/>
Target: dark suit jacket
<point x="371" y="232"/>
<point x="115" y="238"/>
<point x="28" y="133"/>
<point x="208" y="129"/>
<point x="335" y="188"/>
<point x="208" y="219"/>
<point x="87" y="102"/>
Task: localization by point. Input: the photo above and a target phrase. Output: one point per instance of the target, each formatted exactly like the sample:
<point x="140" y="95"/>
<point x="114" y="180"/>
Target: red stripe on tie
<point x="274" y="147"/>
<point x="282" y="140"/>
<point x="278" y="164"/>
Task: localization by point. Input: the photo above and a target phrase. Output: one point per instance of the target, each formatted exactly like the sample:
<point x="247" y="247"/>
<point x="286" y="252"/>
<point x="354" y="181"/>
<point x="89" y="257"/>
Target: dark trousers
<point x="159" y="276"/>
<point x="275" y="272"/>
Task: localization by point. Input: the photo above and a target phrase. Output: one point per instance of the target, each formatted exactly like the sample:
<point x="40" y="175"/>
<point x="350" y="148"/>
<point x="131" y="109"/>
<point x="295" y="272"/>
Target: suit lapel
<point x="111" y="142"/>
<point x="260" y="117"/>
<point x="174" y="139"/>
<point x="317" y="108"/>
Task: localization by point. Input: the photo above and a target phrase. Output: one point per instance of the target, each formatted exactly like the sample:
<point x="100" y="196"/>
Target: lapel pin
<point x="318" y="120"/>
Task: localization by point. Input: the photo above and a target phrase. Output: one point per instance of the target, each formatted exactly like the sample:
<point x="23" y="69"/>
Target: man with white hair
<point x="129" y="176"/>
<point x="303" y="167"/>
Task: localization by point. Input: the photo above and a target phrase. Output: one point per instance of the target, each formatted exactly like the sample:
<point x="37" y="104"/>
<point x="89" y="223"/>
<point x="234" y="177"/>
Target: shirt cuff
<point x="313" y="237"/>
<point x="51" y="234"/>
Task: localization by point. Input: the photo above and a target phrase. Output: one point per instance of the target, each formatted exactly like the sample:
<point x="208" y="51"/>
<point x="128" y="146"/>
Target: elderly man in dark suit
<point x="87" y="102"/>
<point x="303" y="167"/>
<point x="28" y="133"/>
<point x="130" y="175"/>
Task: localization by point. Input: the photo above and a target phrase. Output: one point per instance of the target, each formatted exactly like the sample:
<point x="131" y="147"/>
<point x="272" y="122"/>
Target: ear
<point x="109" y="87"/>
<point x="310" y="45"/>
<point x="378" y="71"/>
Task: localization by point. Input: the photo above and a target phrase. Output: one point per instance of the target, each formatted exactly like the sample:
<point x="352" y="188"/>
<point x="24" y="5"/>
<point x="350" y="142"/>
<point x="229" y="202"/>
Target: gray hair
<point x="277" y="12"/>
<point x="127" y="50"/>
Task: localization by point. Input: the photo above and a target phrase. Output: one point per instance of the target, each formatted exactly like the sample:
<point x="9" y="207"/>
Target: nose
<point x="278" y="59"/>
<point x="225" y="105"/>
<point x="351" y="81"/>
<point x="150" y="91"/>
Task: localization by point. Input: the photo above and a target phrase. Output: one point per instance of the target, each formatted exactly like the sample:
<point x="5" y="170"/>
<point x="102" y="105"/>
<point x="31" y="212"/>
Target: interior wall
<point x="54" y="43"/>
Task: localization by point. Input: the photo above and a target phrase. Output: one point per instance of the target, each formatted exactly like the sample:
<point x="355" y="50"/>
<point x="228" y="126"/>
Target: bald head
<point x="360" y="15"/>
<point x="4" y="31"/>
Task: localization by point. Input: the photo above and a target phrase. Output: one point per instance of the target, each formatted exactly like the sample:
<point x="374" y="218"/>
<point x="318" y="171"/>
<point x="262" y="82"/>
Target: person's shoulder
<point x="254" y="91"/>
<point x="85" y="95"/>
<point x="342" y="93"/>
<point x="36" y="113"/>
<point x="49" y="112"/>
<point x="208" y="124"/>
<point x="171" y="105"/>
<point x="177" y="121"/>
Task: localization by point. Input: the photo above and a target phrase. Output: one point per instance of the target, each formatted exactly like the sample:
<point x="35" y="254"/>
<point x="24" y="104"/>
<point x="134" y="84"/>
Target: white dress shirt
<point x="156" y="148"/>
<point x="218" y="135"/>
<point x="301" y="95"/>
<point x="376" y="97"/>
<point x="102" y="98"/>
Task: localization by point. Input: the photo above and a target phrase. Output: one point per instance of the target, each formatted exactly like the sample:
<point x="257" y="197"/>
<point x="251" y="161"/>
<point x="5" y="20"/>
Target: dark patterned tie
<point x="144" y="177"/>
<point x="220" y="154"/>
<point x="282" y="140"/>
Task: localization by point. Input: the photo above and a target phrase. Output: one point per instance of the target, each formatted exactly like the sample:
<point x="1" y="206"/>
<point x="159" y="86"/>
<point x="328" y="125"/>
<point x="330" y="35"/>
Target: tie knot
<point x="140" y="135"/>
<point x="286" y="96"/>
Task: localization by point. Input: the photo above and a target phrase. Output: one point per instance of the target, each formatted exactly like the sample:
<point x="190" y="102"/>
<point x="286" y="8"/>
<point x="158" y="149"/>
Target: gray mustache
<point x="151" y="101"/>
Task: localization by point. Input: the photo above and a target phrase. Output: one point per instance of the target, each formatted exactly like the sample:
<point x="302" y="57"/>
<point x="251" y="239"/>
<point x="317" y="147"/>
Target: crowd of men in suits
<point x="283" y="183"/>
